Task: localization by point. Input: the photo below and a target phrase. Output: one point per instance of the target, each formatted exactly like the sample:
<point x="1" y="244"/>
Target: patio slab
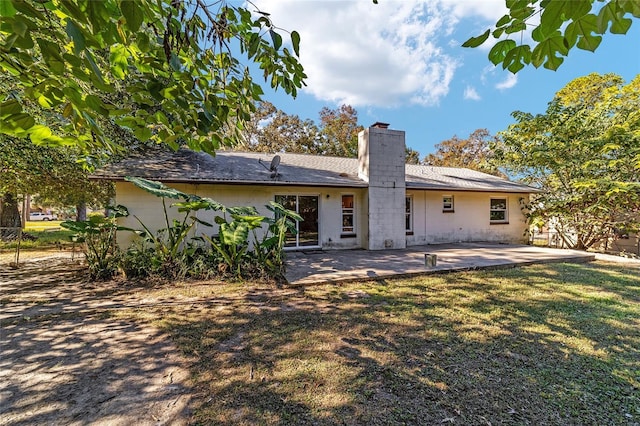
<point x="317" y="267"/>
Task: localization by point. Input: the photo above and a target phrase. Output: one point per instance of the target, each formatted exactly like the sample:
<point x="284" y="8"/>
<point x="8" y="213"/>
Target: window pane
<point x="347" y="201"/>
<point x="498" y="215"/>
<point x="347" y="223"/>
<point x="498" y="204"/>
<point x="447" y="203"/>
<point x="498" y="211"/>
<point x="308" y="228"/>
<point x="348" y="217"/>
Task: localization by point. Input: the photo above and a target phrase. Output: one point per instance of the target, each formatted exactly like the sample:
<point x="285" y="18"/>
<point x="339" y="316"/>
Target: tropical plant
<point x="97" y="236"/>
<point x="270" y="249"/>
<point x="170" y="243"/>
<point x="233" y="235"/>
<point x="176" y="251"/>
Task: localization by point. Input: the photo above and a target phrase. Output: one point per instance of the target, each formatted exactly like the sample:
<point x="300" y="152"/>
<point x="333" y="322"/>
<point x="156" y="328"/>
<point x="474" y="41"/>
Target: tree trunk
<point x="81" y="212"/>
<point x="9" y="217"/>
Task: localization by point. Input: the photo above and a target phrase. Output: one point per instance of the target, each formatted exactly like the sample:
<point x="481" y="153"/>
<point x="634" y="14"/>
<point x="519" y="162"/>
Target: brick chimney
<point x="381" y="163"/>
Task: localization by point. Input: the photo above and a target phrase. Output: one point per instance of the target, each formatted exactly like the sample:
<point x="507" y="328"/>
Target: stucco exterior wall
<point x="149" y="208"/>
<point x="430" y="225"/>
<point x="468" y="222"/>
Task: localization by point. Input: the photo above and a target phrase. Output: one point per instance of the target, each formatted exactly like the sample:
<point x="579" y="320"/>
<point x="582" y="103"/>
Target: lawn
<point x="47" y="234"/>
<point x="546" y="344"/>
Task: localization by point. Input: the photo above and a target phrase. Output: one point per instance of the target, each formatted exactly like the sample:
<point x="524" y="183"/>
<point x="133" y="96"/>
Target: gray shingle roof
<point x="294" y="169"/>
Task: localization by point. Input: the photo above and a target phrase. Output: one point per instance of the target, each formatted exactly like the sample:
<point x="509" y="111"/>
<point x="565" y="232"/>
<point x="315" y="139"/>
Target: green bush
<point x="97" y="235"/>
<point x="172" y="252"/>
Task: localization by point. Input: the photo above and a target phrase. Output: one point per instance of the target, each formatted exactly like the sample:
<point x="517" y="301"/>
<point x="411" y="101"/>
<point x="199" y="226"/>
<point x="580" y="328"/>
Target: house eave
<point x="237" y="182"/>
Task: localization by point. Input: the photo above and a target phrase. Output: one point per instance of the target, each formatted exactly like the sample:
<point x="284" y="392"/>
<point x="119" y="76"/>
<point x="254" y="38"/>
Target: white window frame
<point x="348" y="211"/>
<point x="505" y="210"/>
<point x="408" y="214"/>
<point x="298" y="195"/>
<point x="449" y="209"/>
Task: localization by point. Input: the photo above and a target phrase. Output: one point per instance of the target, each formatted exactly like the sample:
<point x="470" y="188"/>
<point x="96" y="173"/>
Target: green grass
<point x="47" y="233"/>
<point x="548" y="344"/>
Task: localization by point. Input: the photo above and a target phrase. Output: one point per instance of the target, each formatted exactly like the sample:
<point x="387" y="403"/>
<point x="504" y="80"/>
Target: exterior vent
<point x="380" y="125"/>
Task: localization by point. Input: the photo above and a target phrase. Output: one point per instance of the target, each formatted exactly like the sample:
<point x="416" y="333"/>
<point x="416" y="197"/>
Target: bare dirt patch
<point x="66" y="358"/>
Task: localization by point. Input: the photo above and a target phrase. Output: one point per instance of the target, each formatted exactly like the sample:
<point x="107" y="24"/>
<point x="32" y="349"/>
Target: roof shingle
<point x="232" y="167"/>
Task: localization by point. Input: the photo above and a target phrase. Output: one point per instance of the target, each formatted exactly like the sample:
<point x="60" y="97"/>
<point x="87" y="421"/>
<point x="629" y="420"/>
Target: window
<point x="408" y="214"/>
<point x="447" y="203"/>
<point x="498" y="211"/>
<point x="348" y="215"/>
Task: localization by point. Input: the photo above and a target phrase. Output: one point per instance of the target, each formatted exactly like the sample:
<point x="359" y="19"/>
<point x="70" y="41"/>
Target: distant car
<point x="42" y="216"/>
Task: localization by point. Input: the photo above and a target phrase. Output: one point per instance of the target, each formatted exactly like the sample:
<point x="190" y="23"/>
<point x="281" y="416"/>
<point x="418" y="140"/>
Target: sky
<point x="401" y="62"/>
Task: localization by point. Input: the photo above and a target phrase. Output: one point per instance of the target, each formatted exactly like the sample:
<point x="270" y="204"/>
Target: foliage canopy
<point x="562" y="26"/>
<point x="173" y="58"/>
<point x="584" y="154"/>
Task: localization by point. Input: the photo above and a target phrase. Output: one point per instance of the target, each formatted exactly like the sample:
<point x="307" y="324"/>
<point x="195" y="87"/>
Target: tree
<point x="412" y="156"/>
<point x="584" y="155"/>
<point x="471" y="153"/>
<point x="53" y="173"/>
<point x="272" y="130"/>
<point x="339" y="129"/>
<point x="174" y="58"/>
<point x="562" y="26"/>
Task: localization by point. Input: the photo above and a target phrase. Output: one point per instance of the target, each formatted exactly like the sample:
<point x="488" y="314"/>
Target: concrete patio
<point x="315" y="267"/>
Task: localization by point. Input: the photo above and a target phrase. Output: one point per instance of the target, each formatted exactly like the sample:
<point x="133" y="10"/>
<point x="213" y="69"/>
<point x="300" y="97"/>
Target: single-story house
<point x="375" y="201"/>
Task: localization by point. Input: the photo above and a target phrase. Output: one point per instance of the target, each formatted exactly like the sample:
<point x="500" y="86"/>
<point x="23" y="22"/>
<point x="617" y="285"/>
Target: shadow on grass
<point x="549" y="344"/>
<point x="552" y="344"/>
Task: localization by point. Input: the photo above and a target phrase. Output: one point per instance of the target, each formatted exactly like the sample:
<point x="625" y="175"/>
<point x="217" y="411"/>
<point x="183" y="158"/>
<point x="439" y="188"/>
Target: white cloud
<point x="471" y="93"/>
<point x="362" y="54"/>
<point x="508" y="83"/>
<point x="490" y="10"/>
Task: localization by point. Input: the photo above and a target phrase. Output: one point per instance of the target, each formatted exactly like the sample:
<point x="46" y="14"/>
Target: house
<point x="375" y="201"/>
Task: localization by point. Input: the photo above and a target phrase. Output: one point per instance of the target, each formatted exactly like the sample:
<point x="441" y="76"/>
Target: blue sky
<point x="401" y="62"/>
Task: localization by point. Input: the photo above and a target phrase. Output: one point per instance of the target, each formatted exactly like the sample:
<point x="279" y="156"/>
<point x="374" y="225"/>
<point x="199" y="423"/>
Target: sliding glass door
<point x="307" y="207"/>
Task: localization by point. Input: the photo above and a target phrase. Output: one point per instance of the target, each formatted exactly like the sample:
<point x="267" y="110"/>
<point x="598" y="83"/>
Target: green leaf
<point x="276" y="38"/>
<point x="581" y="31"/>
<point x="19" y="27"/>
<point x="504" y="21"/>
<point x="10" y="107"/>
<point x="39" y="134"/>
<point x="96" y="104"/>
<point x="143" y="133"/>
<point x="499" y="51"/>
<point x="156" y="188"/>
<point x="295" y="42"/>
<point x="630" y="6"/>
<point x="477" y="41"/>
<point x="517" y="58"/>
<point x="17" y="122"/>
<point x="76" y="35"/>
<point x="6" y="9"/>
<point x="545" y="53"/>
<point x="133" y="14"/>
<point x="119" y="61"/>
<point x="610" y="14"/>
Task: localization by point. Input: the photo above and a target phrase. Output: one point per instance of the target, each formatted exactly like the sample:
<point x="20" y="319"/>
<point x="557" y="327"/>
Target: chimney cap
<point x="380" y="125"/>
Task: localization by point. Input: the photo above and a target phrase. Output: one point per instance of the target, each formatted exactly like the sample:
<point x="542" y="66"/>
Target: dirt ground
<point x="65" y="358"/>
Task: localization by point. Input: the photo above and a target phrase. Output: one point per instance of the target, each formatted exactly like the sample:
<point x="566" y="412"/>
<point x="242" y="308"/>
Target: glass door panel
<point x="308" y="228"/>
<point x="307" y="207"/>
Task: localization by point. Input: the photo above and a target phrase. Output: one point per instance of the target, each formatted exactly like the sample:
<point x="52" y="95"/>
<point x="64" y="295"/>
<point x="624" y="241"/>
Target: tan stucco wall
<point x="469" y="221"/>
<point x="149" y="208"/>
